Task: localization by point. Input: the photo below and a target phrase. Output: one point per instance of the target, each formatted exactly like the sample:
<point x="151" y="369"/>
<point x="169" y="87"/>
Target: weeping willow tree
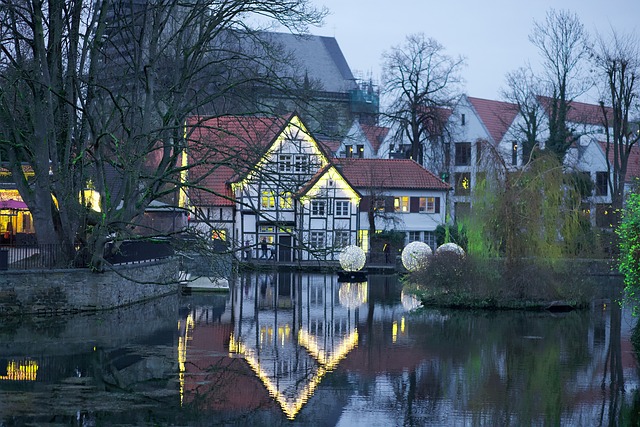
<point x="530" y="213"/>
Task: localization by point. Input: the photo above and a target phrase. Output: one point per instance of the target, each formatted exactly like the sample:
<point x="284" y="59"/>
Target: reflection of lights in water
<point x="451" y="248"/>
<point x="289" y="406"/>
<point x="394" y="329"/>
<point x="352" y="295"/>
<point x="21" y="371"/>
<point x="352" y="258"/>
<point x="409" y="301"/>
<point x="415" y="255"/>
<point x="183" y="338"/>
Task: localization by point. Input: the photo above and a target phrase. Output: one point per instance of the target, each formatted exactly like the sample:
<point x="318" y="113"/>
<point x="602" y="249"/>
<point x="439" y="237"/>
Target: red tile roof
<point x="223" y="147"/>
<point x="580" y="112"/>
<point x="633" y="164"/>
<point x="375" y="135"/>
<point x="497" y="116"/>
<point x="389" y="173"/>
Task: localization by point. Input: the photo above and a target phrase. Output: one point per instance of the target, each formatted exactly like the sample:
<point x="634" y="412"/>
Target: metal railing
<point x="38" y="257"/>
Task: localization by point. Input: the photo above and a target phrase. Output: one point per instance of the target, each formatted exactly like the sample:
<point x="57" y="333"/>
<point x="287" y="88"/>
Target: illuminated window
<point x="342" y="208"/>
<point x="342" y="238"/>
<point x="286" y="201"/>
<point x="401" y="204"/>
<point x="463" y="183"/>
<point x="427" y="204"/>
<point x="348" y="151"/>
<point x="514" y="153"/>
<point x="361" y="151"/>
<point x="379" y="205"/>
<point x="267" y="200"/>
<point x="267" y="229"/>
<point x="318" y="208"/>
<point x="316" y="239"/>
<point x="219" y="235"/>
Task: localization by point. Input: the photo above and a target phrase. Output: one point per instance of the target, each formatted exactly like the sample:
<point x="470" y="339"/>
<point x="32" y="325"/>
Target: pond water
<point x="298" y="349"/>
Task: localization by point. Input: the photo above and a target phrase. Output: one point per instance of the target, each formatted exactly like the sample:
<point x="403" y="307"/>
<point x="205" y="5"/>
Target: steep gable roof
<point x="223" y="147"/>
<point x="497" y="116"/>
<point x="375" y="135"/>
<point x="389" y="173"/>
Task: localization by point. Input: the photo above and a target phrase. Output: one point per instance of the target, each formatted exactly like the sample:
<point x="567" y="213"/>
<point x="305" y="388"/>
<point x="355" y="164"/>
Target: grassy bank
<point x="466" y="282"/>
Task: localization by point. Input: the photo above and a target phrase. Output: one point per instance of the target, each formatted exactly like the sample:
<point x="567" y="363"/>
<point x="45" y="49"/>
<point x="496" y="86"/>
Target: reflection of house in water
<point x="290" y="331"/>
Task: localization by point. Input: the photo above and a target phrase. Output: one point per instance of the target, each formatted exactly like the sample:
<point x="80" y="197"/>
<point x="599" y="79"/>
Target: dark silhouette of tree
<point x="420" y="80"/>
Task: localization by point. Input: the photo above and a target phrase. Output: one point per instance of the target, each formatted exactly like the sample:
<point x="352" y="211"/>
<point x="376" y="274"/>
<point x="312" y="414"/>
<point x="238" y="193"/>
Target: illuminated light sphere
<point x="352" y="258"/>
<point x="415" y="255"/>
<point x="352" y="295"/>
<point x="450" y="248"/>
<point x="409" y="301"/>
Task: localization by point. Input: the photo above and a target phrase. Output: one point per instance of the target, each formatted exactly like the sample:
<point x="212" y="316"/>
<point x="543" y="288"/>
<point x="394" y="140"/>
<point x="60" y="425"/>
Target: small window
<point x="342" y="208"/>
<point x="284" y="162"/>
<point x="463" y="119"/>
<point x="379" y="205"/>
<point x="342" y="238"/>
<point x="348" y="151"/>
<point x="427" y="205"/>
<point x="463" y="184"/>
<point x="219" y="235"/>
<point x="414" y="236"/>
<point x="318" y="208"/>
<point x="301" y="163"/>
<point x="360" y="151"/>
<point x="316" y="239"/>
<point x="602" y="183"/>
<point x="286" y="201"/>
<point x="267" y="199"/>
<point x="514" y="153"/>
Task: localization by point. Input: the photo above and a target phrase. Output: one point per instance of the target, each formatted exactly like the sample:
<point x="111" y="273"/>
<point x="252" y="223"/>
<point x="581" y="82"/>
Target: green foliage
<point x="455" y="233"/>
<point x="629" y="233"/>
<point x="534" y="212"/>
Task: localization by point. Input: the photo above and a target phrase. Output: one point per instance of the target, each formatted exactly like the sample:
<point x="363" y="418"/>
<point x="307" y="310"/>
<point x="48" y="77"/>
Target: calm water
<point x="302" y="349"/>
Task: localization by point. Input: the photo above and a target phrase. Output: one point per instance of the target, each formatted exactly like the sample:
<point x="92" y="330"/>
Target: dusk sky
<point x="491" y="34"/>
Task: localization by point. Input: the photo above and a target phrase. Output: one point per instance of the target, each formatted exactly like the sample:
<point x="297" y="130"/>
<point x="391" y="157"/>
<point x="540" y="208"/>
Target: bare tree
<point x="420" y="79"/>
<point x="101" y="90"/>
<point x="562" y="42"/>
<point x="522" y="91"/>
<point x="618" y="60"/>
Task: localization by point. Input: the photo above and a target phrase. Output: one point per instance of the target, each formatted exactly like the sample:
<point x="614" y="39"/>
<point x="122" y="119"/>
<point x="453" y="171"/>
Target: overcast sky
<point x="492" y="35"/>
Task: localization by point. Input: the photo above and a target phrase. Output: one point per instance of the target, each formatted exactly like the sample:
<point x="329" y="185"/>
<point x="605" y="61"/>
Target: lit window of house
<point x="348" y="150"/>
<point x="427" y="204"/>
<point x="342" y="238"/>
<point x="379" y="205"/>
<point x="342" y="208"/>
<point x="318" y="208"/>
<point x="463" y="183"/>
<point x="602" y="183"/>
<point x="286" y="201"/>
<point x="219" y="234"/>
<point x="267" y="199"/>
<point x="514" y="153"/>
<point x="316" y="239"/>
<point x="361" y="151"/>
<point x="401" y="204"/>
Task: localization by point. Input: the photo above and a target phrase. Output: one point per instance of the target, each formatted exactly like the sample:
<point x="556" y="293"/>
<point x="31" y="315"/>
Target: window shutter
<point x="414" y="204"/>
<point x="388" y="204"/>
<point x="365" y="203"/>
<point x="437" y="205"/>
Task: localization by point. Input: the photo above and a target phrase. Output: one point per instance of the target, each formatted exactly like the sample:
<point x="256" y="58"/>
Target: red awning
<point x="13" y="204"/>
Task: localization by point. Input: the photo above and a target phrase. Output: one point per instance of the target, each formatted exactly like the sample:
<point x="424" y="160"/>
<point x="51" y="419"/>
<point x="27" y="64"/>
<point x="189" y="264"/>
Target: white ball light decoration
<point x="451" y="248"/>
<point x="352" y="258"/>
<point x="415" y="255"/>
